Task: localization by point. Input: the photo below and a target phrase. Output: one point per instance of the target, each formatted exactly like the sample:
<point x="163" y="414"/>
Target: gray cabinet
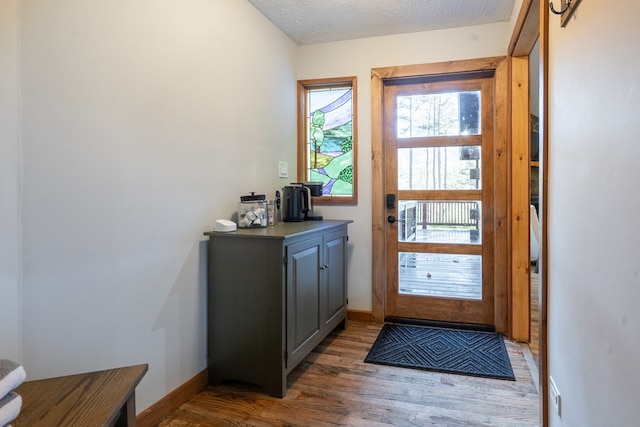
<point x="273" y="294"/>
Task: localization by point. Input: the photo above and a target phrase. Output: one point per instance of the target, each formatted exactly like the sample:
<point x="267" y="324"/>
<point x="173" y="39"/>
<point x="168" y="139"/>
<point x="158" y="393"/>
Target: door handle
<point x="391" y="219"/>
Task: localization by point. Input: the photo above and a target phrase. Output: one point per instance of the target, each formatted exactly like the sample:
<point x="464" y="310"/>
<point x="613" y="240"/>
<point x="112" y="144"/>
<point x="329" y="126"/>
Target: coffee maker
<point x="297" y="204"/>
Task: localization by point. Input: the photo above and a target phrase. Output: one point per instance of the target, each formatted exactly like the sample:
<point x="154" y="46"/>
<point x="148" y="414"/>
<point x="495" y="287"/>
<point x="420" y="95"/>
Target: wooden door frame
<point x="499" y="65"/>
<point x="533" y="24"/>
<point x="520" y="262"/>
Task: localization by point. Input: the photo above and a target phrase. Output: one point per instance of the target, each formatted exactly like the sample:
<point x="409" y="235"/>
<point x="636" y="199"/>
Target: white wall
<point x="594" y="233"/>
<point x="143" y="121"/>
<point x="9" y="183"/>
<point x="358" y="57"/>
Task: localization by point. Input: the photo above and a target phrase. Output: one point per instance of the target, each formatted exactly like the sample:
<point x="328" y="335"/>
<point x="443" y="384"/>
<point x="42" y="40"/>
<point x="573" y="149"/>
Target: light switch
<point x="283" y="170"/>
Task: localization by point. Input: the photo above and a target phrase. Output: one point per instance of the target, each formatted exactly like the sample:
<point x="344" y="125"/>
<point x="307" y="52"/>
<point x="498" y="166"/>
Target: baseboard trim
<point x="151" y="416"/>
<point x="360" y="315"/>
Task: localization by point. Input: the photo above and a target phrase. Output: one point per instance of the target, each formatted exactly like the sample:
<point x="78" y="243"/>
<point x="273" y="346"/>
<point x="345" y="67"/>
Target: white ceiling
<point x="321" y="21"/>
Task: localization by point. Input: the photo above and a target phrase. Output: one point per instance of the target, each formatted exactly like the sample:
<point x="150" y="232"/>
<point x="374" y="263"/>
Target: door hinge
<point x="284" y="260"/>
<point x="347" y="237"/>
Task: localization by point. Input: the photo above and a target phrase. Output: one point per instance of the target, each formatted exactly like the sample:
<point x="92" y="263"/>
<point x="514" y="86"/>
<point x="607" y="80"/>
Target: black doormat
<point x="475" y="353"/>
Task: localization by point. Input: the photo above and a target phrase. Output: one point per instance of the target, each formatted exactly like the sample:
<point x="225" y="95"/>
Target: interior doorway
<point x="530" y="40"/>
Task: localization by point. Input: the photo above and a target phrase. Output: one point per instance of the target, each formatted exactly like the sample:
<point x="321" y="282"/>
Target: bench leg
<point x="128" y="413"/>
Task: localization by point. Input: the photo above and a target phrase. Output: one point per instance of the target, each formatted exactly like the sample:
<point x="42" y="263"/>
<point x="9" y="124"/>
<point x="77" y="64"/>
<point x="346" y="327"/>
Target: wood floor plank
<point x="333" y="386"/>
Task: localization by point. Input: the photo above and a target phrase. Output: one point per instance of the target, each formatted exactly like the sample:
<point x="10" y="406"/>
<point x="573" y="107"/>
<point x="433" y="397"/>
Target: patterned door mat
<point x="475" y="353"/>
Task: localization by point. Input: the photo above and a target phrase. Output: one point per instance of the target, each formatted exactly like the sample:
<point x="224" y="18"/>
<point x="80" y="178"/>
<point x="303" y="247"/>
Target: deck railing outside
<point x="445" y="213"/>
<point x="441" y="274"/>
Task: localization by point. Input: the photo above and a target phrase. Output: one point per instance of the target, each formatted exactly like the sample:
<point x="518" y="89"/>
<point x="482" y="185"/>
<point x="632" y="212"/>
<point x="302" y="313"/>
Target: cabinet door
<point x="303" y="298"/>
<point x="334" y="304"/>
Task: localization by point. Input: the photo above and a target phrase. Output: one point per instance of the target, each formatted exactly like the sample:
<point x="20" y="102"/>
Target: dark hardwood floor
<point x="334" y="387"/>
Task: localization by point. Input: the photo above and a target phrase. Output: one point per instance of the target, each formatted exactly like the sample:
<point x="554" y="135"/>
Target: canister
<point x="252" y="211"/>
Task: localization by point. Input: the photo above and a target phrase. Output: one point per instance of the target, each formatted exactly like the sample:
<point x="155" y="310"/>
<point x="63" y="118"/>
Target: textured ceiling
<point x="321" y="21"/>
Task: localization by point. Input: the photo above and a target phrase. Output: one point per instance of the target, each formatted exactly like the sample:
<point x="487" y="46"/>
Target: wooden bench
<point x="102" y="398"/>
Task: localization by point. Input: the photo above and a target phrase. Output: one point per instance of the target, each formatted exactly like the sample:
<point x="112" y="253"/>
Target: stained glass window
<point x="327" y="143"/>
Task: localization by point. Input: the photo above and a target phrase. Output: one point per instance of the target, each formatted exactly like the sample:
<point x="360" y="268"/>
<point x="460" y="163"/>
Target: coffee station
<point x="294" y="204"/>
<point x="277" y="286"/>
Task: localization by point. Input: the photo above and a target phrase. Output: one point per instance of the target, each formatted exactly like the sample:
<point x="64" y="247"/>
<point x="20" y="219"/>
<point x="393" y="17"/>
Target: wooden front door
<point x="438" y="181"/>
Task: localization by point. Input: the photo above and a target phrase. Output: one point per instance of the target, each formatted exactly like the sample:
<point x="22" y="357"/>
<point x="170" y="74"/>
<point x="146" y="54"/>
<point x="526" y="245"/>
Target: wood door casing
<point x="520" y="225"/>
<point x="500" y="149"/>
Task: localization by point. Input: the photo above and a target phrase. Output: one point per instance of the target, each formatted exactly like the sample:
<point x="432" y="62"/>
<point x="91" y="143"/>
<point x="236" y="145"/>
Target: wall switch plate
<point x="283" y="170"/>
<point x="554" y="394"/>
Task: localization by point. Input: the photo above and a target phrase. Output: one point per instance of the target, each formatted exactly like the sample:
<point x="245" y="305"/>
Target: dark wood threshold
<point x="440" y="324"/>
<point x="367" y="316"/>
<point x="151" y="416"/>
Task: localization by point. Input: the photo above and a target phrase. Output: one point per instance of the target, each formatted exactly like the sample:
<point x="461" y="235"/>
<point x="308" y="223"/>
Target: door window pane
<point x="439" y="168"/>
<point x="440" y="275"/>
<point x="440" y="221"/>
<point x="438" y="114"/>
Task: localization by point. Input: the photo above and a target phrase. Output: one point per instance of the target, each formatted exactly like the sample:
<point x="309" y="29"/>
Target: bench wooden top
<point x="89" y="399"/>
